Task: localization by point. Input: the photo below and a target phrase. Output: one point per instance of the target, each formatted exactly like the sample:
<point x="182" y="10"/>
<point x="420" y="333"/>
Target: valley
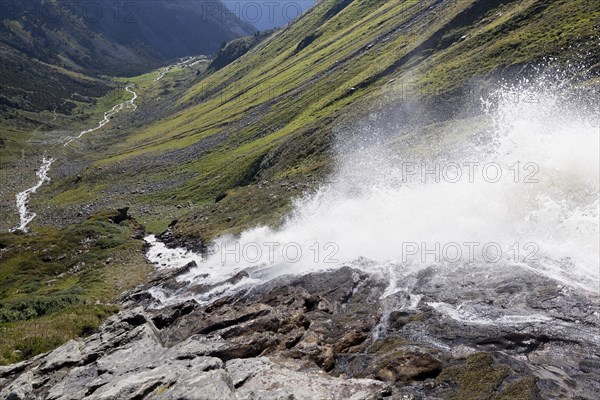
<point x="150" y="201"/>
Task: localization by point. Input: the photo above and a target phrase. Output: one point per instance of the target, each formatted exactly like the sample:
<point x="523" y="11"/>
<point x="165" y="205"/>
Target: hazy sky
<point x="267" y="14"/>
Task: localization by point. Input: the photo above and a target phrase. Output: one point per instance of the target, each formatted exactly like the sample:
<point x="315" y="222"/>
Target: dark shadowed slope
<point x="45" y="45"/>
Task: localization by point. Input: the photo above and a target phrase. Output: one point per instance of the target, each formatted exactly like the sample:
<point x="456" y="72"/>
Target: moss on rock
<point x="481" y="378"/>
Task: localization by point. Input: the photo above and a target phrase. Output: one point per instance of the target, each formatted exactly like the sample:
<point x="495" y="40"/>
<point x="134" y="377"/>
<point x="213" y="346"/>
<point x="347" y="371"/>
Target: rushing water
<point x="520" y="192"/>
<point x="185" y="63"/>
<point x="26" y="216"/>
<point x="109" y="114"/>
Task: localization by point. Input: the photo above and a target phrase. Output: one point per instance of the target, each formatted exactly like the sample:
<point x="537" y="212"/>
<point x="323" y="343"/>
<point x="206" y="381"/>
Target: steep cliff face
<point x="232" y="50"/>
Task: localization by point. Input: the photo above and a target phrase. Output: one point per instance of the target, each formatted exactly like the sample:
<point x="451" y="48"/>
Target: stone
<point x="261" y="378"/>
<point x="339" y="333"/>
<point x="20" y="389"/>
<point x="122" y="214"/>
<point x="67" y="355"/>
<point x="406" y="365"/>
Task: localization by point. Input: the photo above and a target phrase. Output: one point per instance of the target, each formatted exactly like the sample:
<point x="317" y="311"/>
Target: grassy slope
<point x="273" y="110"/>
<point x="27" y="136"/>
<point x="155" y="99"/>
<point x="57" y="284"/>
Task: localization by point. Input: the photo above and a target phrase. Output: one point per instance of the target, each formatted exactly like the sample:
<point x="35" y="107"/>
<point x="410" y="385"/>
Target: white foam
<point x="184" y="63"/>
<point x="464" y="313"/>
<point x="26" y="216"/>
<point x="108" y="114"/>
<point x="370" y="211"/>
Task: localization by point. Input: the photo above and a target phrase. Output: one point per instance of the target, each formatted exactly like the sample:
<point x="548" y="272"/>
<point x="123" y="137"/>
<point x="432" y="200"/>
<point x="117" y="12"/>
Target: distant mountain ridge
<point x="114" y="37"/>
<point x="171" y="28"/>
<point x="49" y="38"/>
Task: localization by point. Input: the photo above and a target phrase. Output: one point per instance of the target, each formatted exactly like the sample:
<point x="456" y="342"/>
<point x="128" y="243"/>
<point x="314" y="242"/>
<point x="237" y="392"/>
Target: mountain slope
<point x="172" y="29"/>
<point x="116" y="38"/>
<point x="43" y="38"/>
<point x="270" y="114"/>
<point x="212" y="152"/>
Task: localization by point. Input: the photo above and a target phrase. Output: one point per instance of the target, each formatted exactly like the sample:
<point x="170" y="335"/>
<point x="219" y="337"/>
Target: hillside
<point x="57" y="45"/>
<point x="259" y="130"/>
<point x="234" y="49"/>
<point x="149" y="201"/>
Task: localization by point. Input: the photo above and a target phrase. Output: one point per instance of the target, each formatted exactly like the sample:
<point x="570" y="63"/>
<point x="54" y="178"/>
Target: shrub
<point x="36" y="306"/>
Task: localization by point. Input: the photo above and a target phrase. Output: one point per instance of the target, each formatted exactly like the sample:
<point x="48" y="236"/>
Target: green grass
<point x="269" y="119"/>
<point x="14" y="144"/>
<point x="276" y="108"/>
<point x="480" y="378"/>
<point x="309" y="87"/>
<point x="51" y="275"/>
<point x="25" y="339"/>
<point x="278" y="96"/>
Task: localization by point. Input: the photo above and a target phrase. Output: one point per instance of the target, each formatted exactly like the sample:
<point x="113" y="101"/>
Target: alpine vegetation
<point x="331" y="199"/>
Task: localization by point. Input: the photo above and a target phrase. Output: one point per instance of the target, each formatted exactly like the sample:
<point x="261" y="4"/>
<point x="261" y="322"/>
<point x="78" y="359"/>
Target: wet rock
<point x="481" y="377"/>
<point x="165" y="278"/>
<point x="437" y="335"/>
<point x="171" y="314"/>
<point x="169" y="238"/>
<point x="201" y="322"/>
<point x="408" y="364"/>
<point x="205" y="288"/>
<point x="590" y="365"/>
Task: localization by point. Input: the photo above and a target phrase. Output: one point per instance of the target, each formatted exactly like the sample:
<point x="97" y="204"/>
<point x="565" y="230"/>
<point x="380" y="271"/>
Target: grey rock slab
<point x="76" y="384"/>
<point x="20" y="389"/>
<point x="259" y="378"/>
<point x="194" y="385"/>
<point x="172" y="379"/>
<point x="66" y="355"/>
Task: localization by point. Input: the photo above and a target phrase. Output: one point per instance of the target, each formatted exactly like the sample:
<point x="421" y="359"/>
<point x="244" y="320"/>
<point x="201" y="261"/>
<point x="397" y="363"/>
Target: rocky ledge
<point x="339" y="334"/>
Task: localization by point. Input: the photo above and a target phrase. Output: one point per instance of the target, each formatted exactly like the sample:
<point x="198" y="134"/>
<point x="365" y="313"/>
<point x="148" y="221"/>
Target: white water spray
<point x="528" y="197"/>
<point x="184" y="63"/>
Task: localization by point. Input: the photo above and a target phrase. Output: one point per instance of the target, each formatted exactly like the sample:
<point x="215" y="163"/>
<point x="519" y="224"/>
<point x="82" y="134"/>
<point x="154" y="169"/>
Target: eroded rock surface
<point x="340" y="334"/>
